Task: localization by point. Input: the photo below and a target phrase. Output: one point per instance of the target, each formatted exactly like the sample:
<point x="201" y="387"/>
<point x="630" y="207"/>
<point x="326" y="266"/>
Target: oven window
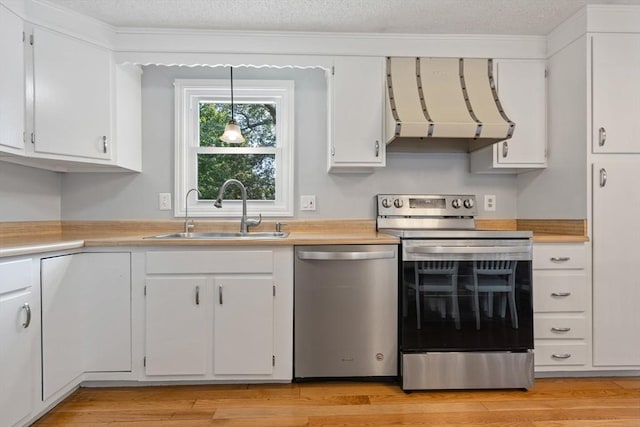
<point x="466" y="305"/>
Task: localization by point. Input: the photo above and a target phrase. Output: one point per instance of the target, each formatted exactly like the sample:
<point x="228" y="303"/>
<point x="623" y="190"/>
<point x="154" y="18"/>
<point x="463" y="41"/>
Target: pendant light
<point x="232" y="133"/>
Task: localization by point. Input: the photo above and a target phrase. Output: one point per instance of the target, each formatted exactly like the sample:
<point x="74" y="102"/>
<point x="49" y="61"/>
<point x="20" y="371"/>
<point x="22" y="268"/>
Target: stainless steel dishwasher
<point x="346" y="311"/>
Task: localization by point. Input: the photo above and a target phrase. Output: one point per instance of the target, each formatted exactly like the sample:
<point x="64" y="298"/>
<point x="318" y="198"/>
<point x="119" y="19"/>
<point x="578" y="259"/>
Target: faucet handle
<point x="253" y="222"/>
<point x="279" y="226"/>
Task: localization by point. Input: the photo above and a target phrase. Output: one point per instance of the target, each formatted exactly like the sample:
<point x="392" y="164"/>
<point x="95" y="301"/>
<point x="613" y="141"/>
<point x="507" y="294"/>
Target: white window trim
<point x="187" y="94"/>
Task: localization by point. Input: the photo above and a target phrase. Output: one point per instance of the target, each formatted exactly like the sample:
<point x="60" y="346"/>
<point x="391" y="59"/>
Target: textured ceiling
<point x="517" y="17"/>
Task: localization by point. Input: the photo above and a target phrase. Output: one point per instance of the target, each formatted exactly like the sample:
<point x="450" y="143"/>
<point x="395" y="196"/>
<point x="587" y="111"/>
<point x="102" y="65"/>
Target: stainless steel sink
<point x="224" y="235"/>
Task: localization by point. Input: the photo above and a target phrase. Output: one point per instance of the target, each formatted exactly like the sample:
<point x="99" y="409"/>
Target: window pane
<point x="256" y="171"/>
<point x="257" y="123"/>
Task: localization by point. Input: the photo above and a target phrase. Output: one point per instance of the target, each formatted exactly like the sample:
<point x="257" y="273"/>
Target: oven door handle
<point x="344" y="256"/>
<point x="466" y="249"/>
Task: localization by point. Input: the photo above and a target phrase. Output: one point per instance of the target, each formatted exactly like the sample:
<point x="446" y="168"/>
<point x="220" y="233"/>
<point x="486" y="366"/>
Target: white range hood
<point x="443" y="105"/>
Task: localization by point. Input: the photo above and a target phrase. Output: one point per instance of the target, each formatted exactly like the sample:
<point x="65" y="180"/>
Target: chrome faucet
<point x="245" y="222"/>
<point x="186" y="209"/>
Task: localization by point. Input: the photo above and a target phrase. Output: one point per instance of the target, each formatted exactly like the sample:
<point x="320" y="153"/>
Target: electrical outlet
<point x="489" y="202"/>
<point x="308" y="203"/>
<point x="164" y="201"/>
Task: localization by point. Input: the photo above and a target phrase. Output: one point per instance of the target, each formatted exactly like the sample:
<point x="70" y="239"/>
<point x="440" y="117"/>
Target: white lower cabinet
<point x="19" y="319"/>
<point x="219" y="314"/>
<point x="561" y="298"/>
<point x="243" y="326"/>
<point x="616" y="283"/>
<point x="86" y="318"/>
<point x="176" y="326"/>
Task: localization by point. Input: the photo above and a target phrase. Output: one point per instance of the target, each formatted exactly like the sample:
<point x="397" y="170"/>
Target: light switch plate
<point x="164" y="201"/>
<point x="308" y="203"/>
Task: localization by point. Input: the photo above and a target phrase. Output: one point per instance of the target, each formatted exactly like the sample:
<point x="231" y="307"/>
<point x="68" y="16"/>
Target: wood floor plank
<point x="632" y="382"/>
<point x="263" y="422"/>
<point x="346" y="410"/>
<point x="496" y="418"/>
<point x="318" y="401"/>
<point x="631" y="402"/>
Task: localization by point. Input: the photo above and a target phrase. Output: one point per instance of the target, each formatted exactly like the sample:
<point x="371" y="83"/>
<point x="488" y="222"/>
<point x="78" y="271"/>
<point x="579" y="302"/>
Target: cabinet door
<point x="72" y="90"/>
<point x="616" y="93"/>
<point x="357" y="120"/>
<point x="176" y="329"/>
<point x="62" y="332"/>
<point x="106" y="291"/>
<point x="243" y="326"/>
<point x="16" y="352"/>
<point x="523" y="94"/>
<point x="86" y="316"/>
<point x="522" y="89"/>
<point x="11" y="81"/>
<point x="616" y="283"/>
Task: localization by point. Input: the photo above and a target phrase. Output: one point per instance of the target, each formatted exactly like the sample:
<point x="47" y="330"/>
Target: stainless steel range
<point x="465" y="295"/>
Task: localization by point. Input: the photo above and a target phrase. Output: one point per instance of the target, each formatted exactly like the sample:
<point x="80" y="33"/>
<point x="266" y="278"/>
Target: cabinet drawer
<point x="220" y="262"/>
<point x="559" y="291"/>
<point x="559" y="327"/>
<point x="15" y="275"/>
<point x="552" y="354"/>
<point x="554" y="256"/>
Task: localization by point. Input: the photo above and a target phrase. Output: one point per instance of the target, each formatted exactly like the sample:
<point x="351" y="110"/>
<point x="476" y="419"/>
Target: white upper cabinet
<point x="11" y="82"/>
<point x="72" y="83"/>
<point x="356" y="119"/>
<point x="522" y="90"/>
<point x="616" y="93"/>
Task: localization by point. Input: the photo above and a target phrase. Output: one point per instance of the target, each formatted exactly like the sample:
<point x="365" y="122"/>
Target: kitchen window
<point x="264" y="163"/>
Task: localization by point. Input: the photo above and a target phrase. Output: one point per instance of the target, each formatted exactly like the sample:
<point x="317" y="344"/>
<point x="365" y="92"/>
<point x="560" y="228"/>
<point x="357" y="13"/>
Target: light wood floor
<point x="552" y="402"/>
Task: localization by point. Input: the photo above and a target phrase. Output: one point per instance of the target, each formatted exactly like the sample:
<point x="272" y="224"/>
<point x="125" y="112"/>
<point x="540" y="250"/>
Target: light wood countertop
<point x="22" y="238"/>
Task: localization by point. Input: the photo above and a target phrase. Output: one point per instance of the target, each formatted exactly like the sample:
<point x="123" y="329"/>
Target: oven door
<point x="466" y="295"/>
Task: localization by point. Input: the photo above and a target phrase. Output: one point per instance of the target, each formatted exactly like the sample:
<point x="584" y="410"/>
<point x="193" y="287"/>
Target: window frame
<point x="188" y="94"/>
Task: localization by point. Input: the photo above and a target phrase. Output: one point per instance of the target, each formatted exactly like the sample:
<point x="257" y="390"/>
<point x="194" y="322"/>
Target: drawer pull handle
<point x="560" y="294"/>
<point x="560" y="258"/>
<point x="561" y="356"/>
<point x="554" y="329"/>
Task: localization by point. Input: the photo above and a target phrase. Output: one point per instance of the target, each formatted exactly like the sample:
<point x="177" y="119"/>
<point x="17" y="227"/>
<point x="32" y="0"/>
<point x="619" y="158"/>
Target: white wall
<point x="560" y="190"/>
<point x="28" y="194"/>
<point x="135" y="196"/>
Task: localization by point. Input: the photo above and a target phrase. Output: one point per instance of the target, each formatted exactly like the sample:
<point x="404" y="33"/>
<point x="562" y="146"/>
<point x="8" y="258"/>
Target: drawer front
<point x="214" y="262"/>
<point x="555" y="256"/>
<point x="552" y="354"/>
<point x="15" y="275"/>
<point x="559" y="327"/>
<point x="559" y="291"/>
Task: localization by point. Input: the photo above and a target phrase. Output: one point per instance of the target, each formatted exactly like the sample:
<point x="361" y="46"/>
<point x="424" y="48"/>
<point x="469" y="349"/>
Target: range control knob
<point x="468" y="203"/>
<point x="456" y="203"/>
<point x="386" y="203"/>
<point x="397" y="203"/>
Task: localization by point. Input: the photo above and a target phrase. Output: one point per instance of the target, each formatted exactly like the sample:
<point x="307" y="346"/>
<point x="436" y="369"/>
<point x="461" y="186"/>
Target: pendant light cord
<point x="232" y="116"/>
